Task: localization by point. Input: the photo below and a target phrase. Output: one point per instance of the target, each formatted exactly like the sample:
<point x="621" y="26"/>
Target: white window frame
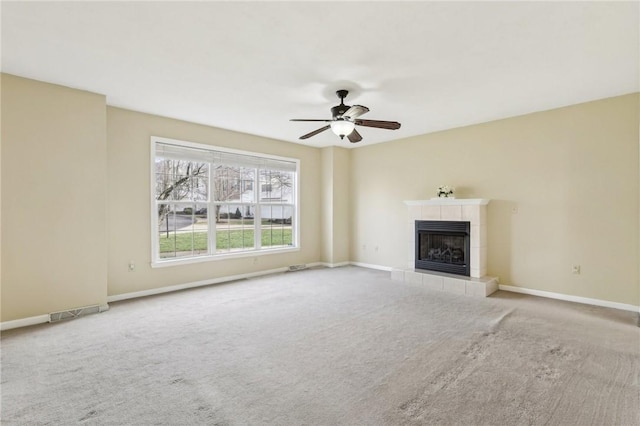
<point x="156" y="261"/>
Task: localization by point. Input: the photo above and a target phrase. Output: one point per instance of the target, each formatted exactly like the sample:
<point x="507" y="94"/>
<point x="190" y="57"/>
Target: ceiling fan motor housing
<point x="338" y="110"/>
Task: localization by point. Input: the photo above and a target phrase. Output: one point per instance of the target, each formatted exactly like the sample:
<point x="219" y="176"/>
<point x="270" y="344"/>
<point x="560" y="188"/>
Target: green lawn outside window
<point x="225" y="240"/>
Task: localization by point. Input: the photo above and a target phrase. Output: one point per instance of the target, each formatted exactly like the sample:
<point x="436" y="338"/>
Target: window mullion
<point x="211" y="212"/>
<point x="257" y="216"/>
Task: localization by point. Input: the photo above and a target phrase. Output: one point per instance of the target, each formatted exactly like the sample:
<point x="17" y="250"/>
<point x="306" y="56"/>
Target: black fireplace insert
<point x="443" y="246"/>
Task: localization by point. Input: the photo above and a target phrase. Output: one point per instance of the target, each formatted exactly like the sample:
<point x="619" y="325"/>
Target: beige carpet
<point x="343" y="346"/>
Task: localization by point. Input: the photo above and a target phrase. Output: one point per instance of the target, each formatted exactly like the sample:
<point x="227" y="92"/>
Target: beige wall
<point x="128" y="136"/>
<point x="564" y="187"/>
<point x="54" y="177"/>
<point x="0" y="198"/>
<point x="335" y="205"/>
<point x="326" y="194"/>
<point x="341" y="203"/>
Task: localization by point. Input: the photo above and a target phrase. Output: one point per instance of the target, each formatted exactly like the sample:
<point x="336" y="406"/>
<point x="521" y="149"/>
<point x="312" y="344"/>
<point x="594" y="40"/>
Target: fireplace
<point x="472" y="210"/>
<point x="443" y="246"/>
<point x="458" y="245"/>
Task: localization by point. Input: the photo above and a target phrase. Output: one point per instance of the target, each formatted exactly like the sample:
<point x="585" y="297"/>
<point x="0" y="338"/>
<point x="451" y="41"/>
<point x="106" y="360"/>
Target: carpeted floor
<point x="344" y="346"/>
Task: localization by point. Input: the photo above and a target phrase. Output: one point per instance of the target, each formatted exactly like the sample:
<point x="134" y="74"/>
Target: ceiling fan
<point x="345" y="119"/>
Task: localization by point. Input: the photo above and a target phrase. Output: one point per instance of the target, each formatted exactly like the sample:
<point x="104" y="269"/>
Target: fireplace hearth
<point x="443" y="246"/>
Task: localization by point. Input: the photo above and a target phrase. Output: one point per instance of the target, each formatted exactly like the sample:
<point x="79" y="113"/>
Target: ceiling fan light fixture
<point x="342" y="128"/>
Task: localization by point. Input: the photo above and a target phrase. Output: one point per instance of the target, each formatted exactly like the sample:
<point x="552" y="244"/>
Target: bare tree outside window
<point x="275" y="185"/>
<point x="178" y="180"/>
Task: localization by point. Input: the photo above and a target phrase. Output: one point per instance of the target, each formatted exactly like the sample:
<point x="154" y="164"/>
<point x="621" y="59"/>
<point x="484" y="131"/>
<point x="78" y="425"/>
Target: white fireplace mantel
<point x="449" y="202"/>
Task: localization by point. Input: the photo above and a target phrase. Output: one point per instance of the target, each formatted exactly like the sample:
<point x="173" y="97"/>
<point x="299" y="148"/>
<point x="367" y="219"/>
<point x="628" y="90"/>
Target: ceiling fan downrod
<point x="338" y="110"/>
<point x="342" y="94"/>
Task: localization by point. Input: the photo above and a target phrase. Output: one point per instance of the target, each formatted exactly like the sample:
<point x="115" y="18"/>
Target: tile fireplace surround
<point x="472" y="210"/>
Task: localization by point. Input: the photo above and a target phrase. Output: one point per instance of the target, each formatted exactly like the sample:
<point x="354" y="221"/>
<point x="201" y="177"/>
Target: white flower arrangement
<point x="445" y="191"/>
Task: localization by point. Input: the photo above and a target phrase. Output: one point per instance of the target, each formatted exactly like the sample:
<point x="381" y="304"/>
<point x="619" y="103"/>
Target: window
<point x="205" y="206"/>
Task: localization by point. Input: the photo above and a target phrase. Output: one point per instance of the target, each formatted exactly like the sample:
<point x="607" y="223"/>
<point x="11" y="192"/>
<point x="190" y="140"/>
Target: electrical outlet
<point x="576" y="269"/>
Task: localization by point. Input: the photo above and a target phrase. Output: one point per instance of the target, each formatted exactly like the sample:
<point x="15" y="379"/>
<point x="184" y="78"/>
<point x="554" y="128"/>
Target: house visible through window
<point x="205" y="204"/>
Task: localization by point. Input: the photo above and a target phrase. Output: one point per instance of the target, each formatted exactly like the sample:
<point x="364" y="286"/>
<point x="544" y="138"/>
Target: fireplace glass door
<point x="443" y="246"/>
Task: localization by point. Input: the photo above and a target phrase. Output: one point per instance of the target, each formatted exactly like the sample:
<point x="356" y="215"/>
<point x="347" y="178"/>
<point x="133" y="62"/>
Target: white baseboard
<point x="569" y="298"/>
<point x="371" y="266"/>
<point x="332" y="265"/>
<point x="35" y="320"/>
<point x="169" y="289"/>
<point x="24" y="322"/>
<point x="41" y="319"/>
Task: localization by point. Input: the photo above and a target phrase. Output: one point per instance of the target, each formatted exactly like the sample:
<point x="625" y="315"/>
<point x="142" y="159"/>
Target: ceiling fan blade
<point x="389" y="125"/>
<point x="354" y="136"/>
<point x="309" y="119"/>
<point x="355" y="112"/>
<point x="315" y="132"/>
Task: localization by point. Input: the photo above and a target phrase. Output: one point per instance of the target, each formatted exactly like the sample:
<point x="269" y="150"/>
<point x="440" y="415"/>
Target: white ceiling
<point x="251" y="66"/>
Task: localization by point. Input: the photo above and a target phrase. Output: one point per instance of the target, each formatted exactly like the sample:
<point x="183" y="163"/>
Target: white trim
<point x="448" y="202"/>
<point x="155" y="243"/>
<point x="194" y="284"/>
<point x="177" y="287"/>
<point x="371" y="266"/>
<point x="334" y="265"/>
<point x="295" y="227"/>
<point x="217" y="257"/>
<point x="24" y="322"/>
<point x="208" y="147"/>
<point x="38" y="319"/>
<point x="569" y="298"/>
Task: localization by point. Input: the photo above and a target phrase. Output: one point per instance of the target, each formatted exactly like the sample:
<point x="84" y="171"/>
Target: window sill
<point x="217" y="257"/>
